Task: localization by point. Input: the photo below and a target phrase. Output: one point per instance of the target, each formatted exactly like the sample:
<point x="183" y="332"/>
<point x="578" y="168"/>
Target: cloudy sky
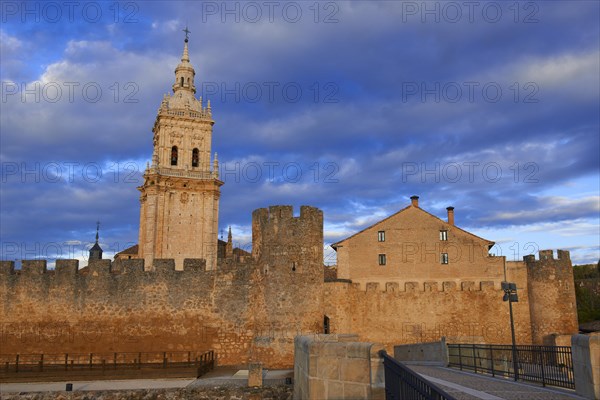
<point x="350" y="106"/>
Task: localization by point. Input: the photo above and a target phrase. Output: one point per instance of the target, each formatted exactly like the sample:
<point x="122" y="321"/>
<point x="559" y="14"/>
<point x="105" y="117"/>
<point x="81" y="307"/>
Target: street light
<point x="510" y="295"/>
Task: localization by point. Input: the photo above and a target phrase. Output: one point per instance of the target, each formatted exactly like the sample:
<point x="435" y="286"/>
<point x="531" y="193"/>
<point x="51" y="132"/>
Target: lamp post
<point x="510" y="295"/>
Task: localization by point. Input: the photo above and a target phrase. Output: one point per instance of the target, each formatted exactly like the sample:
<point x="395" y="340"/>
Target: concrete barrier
<point x="433" y="353"/>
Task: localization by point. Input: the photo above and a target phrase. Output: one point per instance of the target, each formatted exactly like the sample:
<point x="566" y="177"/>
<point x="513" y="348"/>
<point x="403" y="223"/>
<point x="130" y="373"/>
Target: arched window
<point x="182" y="81"/>
<point x="174" y="155"/>
<point x="195" y="157"/>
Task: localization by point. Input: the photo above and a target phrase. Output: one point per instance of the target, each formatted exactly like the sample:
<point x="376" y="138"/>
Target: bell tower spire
<point x="179" y="199"/>
<point x="184" y="73"/>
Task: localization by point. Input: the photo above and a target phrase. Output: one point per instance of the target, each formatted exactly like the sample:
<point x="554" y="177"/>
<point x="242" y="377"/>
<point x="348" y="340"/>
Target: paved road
<point x="130" y="384"/>
<point x="469" y="386"/>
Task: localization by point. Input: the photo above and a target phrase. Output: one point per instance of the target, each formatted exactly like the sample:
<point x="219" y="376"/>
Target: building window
<point x="443" y="235"/>
<point x="174" y="155"/>
<point x="382" y="259"/>
<point x="444" y="258"/>
<point x="182" y="81"/>
<point x="195" y="157"/>
<point x="381" y="236"/>
<point x="326" y="325"/>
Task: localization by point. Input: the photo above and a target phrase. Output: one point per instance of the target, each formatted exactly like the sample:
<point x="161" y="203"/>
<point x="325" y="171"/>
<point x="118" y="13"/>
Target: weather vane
<point x="187" y="32"/>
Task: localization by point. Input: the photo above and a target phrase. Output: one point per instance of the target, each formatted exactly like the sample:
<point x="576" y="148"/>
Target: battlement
<point x="401" y="288"/>
<point x="548" y="255"/>
<point x="280" y="239"/>
<point x="104" y="267"/>
<point x="283" y="214"/>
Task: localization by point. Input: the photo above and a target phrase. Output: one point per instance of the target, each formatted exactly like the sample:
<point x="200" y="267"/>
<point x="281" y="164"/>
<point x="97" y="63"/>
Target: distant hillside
<point x="587" y="290"/>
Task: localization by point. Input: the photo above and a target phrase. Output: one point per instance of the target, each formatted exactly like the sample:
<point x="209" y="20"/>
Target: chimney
<point x="415" y="201"/>
<point x="450" y="215"/>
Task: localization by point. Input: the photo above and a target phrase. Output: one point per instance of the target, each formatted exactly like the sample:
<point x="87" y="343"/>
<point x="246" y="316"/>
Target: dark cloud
<point x="376" y="120"/>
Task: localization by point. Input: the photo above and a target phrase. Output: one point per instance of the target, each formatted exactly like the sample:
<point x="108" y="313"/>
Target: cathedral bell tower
<point x="179" y="213"/>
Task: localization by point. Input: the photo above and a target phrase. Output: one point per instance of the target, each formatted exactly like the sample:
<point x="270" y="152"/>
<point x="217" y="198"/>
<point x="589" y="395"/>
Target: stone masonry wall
<point x="244" y="311"/>
<point x="551" y="290"/>
<point x="412" y="312"/>
<point x="337" y="367"/>
<point x="251" y="311"/>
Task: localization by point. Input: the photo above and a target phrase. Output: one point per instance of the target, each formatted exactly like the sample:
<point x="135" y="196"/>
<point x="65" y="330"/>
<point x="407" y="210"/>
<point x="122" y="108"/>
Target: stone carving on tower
<point x="179" y="213"/>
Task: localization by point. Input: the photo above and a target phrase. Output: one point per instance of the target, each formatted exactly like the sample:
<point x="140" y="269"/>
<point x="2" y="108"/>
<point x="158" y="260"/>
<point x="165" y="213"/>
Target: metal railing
<point x="90" y="364"/>
<point x="548" y="365"/>
<point x="403" y="384"/>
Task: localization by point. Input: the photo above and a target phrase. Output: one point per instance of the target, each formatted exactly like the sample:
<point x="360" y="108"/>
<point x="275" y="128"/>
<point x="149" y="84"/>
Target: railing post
<point x="66" y="361"/>
<point x="459" y="357"/>
<point x="543" y="366"/>
<point x="17" y="363"/>
<point x="474" y="359"/>
<point x="492" y="359"/>
<point x="165" y="359"/>
<point x="41" y="362"/>
<point x="91" y="358"/>
<point x="115" y="360"/>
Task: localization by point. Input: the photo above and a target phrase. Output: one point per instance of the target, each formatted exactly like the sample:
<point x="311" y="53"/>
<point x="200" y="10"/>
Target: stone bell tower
<point x="179" y="213"/>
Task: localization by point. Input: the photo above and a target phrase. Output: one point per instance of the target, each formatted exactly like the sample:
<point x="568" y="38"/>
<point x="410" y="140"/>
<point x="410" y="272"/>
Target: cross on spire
<point x="97" y="230"/>
<point x="187" y="32"/>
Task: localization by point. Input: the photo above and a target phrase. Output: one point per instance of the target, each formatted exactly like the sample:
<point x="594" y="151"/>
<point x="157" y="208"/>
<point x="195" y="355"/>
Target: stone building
<point x="417" y="246"/>
<point x="409" y="278"/>
<point x="179" y="213"/>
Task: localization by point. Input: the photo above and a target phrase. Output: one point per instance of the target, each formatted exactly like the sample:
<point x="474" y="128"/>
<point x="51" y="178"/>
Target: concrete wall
<point x="337" y="367"/>
<point x="586" y="365"/>
<point x="434" y="353"/>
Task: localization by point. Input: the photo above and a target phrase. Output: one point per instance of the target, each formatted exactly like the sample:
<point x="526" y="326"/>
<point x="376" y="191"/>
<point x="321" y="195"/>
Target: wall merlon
<point x="467" y="286"/>
<point x="130" y="266"/>
<point x="260" y="214"/>
<point x="449" y="286"/>
<point x="430" y="286"/>
<point x="33" y="267"/>
<point x="163" y="265"/>
<point x="486" y="285"/>
<point x="66" y="267"/>
<point x="372" y="286"/>
<point x="7" y="267"/>
<point x="564" y="254"/>
<point x="99" y="267"/>
<point x="311" y="213"/>
<point x="546" y="255"/>
<point x="411" y="287"/>
<point x="392" y="287"/>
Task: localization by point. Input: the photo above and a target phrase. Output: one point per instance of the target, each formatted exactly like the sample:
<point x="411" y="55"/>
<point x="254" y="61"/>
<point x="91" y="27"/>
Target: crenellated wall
<point x="115" y="307"/>
<point x="245" y="311"/>
<point x="416" y="312"/>
<point x="550" y="287"/>
<point x="288" y="251"/>
<point x="252" y="310"/>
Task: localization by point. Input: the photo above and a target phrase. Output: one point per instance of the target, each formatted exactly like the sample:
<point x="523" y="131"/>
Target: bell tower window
<point x="195" y="157"/>
<point x="174" y="155"/>
<point x="182" y="81"/>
